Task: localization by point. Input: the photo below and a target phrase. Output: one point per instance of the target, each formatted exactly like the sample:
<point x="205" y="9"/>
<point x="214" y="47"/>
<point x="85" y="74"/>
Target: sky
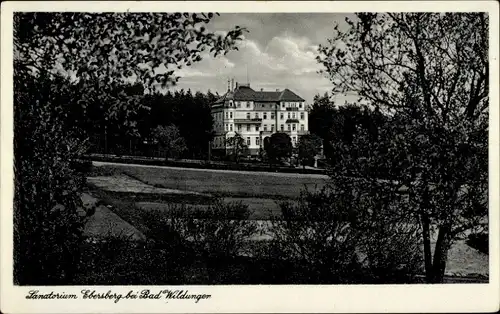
<point x="279" y="52"/>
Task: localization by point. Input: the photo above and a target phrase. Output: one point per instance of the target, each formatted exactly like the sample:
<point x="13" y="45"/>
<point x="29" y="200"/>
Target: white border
<point x="385" y="298"/>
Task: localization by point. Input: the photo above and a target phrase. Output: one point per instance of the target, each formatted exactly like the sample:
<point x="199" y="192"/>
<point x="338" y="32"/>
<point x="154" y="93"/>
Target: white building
<point x="256" y="115"/>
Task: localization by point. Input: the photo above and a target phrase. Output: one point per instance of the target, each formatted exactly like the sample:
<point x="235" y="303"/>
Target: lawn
<point x="226" y="183"/>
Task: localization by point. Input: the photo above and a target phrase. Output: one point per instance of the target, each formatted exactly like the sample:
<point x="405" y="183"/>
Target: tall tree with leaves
<point x="170" y="140"/>
<point x="279" y="147"/>
<point x="237" y="146"/>
<point x="431" y="72"/>
<point x="95" y="53"/>
<point x="308" y="147"/>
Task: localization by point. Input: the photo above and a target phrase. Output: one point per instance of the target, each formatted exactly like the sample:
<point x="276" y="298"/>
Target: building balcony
<point x="292" y="121"/>
<point x="292" y="109"/>
<point x="248" y="121"/>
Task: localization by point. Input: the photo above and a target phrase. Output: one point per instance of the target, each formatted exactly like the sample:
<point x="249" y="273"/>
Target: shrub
<point x="338" y="237"/>
<point x="81" y="166"/>
<point x="479" y="241"/>
<point x="220" y="231"/>
<point x="319" y="235"/>
<point x="47" y="225"/>
<point x="392" y="253"/>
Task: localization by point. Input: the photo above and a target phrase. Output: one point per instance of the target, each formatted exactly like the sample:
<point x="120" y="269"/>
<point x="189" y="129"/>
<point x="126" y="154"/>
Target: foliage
<point x="344" y="237"/>
<point x="169" y="139"/>
<point x="279" y="146"/>
<point x="179" y="108"/>
<point x="479" y="241"/>
<point x="47" y="224"/>
<point x="338" y="125"/>
<point x="219" y="231"/>
<point x="318" y="234"/>
<point x="308" y="147"/>
<point x="429" y="73"/>
<point x="115" y="46"/>
<point x="237" y="145"/>
<point x="67" y="67"/>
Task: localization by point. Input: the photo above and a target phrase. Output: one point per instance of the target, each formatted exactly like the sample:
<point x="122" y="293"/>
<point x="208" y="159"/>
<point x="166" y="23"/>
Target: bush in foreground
<point x="479" y="241"/>
<point x="335" y="239"/>
<point x="47" y="224"/>
<point x="219" y="232"/>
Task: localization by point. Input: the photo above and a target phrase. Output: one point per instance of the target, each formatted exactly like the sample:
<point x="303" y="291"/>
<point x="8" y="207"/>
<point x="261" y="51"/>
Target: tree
<point x="170" y="140"/>
<point x="237" y="145"/>
<point x="308" y="147"/>
<point x="280" y="146"/>
<point x="47" y="224"/>
<point x="430" y="73"/>
<point x="79" y="61"/>
<point x="102" y="50"/>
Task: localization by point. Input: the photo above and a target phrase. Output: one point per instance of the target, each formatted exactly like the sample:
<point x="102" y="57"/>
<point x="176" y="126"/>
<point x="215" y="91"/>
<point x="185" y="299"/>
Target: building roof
<point x="245" y="92"/>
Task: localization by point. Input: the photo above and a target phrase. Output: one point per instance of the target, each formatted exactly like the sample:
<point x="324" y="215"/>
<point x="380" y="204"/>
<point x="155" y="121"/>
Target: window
<point x="225" y="128"/>
<point x="272" y="115"/>
<point x="300" y="105"/>
<point x="248" y="115"/>
<point x="265" y="127"/>
<point x="272" y="127"/>
<point x="288" y="127"/>
<point x="257" y="127"/>
<point x="256" y="115"/>
<point x="230" y="127"/>
<point x="231" y="114"/>
<point x="293" y="127"/>
<point x="301" y="116"/>
<point x="282" y="105"/>
<point x="281" y="116"/>
<point x="265" y="115"/>
<point x="248" y="127"/>
<point x="293" y="115"/>
<point x="226" y="114"/>
<point x="289" y="115"/>
<point x="248" y="104"/>
<point x="248" y="141"/>
<point x="257" y="141"/>
<point x="302" y="127"/>
<point x="237" y="104"/>
<point x="282" y="127"/>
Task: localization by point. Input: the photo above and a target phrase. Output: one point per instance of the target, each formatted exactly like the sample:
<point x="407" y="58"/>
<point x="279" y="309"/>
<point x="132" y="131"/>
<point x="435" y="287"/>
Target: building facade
<point x="256" y="115"/>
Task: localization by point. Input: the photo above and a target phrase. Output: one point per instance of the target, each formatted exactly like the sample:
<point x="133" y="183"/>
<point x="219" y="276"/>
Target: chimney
<point x="261" y="89"/>
<point x="236" y="85"/>
<point x="277" y="89"/>
<point x="232" y="84"/>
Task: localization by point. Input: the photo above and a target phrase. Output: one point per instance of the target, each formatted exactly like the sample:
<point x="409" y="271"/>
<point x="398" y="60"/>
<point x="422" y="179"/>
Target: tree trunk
<point x="440" y="254"/>
<point x="427" y="247"/>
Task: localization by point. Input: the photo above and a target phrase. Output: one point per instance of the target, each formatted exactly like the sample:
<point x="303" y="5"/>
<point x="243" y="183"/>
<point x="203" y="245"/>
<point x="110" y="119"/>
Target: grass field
<point x="226" y="183"/>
